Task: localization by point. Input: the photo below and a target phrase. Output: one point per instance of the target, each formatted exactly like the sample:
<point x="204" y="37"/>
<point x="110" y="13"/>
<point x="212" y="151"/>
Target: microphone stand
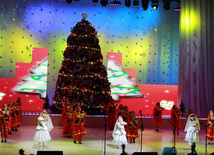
<point x="141" y="136"/>
<point x="206" y="140"/>
<point x="173" y="132"/>
<point x="105" y="130"/>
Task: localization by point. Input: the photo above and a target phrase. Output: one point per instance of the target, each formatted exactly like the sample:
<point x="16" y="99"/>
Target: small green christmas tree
<point x="182" y="107"/>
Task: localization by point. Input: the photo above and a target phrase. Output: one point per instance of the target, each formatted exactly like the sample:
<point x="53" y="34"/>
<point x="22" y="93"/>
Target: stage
<point x="93" y="142"/>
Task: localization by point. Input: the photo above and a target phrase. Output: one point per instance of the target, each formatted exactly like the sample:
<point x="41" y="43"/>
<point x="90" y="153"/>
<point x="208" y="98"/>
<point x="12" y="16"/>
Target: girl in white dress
<point x="192" y="128"/>
<point x="42" y="130"/>
<point x="119" y="132"/>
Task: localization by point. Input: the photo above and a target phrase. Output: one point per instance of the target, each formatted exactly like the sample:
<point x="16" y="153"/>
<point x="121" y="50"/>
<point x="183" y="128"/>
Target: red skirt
<point x="79" y="130"/>
<point x="132" y="132"/>
<point x="4" y="129"/>
<point x="210" y="133"/>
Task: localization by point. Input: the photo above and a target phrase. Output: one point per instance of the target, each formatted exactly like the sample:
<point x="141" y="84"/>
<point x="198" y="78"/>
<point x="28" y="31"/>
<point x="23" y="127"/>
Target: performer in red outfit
<point x="120" y="111"/>
<point x="11" y="118"/>
<point x="157" y="116"/>
<point x="4" y="123"/>
<point x="190" y="111"/>
<point x="78" y="124"/>
<point x="17" y="117"/>
<point x="111" y="112"/>
<point x="175" y="119"/>
<point x="125" y="114"/>
<point x="210" y="128"/>
<point x="19" y="103"/>
<point x="67" y="122"/>
<point x="132" y="132"/>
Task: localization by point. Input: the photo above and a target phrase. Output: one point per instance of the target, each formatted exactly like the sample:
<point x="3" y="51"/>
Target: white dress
<point x="42" y="132"/>
<point x="192" y="132"/>
<point x="119" y="134"/>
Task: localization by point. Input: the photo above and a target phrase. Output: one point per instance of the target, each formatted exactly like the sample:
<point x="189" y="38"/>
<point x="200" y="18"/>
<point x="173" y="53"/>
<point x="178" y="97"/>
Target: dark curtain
<point x="196" y="58"/>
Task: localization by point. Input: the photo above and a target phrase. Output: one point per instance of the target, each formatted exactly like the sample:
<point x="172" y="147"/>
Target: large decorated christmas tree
<point x="82" y="78"/>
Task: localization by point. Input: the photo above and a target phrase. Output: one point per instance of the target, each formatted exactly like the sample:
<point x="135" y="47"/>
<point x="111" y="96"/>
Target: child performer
<point x="4" y="123"/>
<point x="78" y="124"/>
<point x="210" y="128"/>
<point x="42" y="130"/>
<point x="67" y="122"/>
<point x="120" y="110"/>
<point x="119" y="133"/>
<point x="111" y="112"/>
<point x="157" y="115"/>
<point x="125" y="113"/>
<point x="192" y="128"/>
<point x="190" y="111"/>
<point x="132" y="132"/>
<point x="11" y="119"/>
<point x="175" y="119"/>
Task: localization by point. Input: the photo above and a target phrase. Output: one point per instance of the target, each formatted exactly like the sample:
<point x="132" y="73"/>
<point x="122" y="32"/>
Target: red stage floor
<point x="93" y="142"/>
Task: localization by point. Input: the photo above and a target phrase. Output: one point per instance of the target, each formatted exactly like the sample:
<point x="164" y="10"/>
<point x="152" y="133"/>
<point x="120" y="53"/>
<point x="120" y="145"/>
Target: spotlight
<point x="145" y="4"/>
<point x="128" y="3"/>
<point x="95" y="1"/>
<point x="155" y="4"/>
<point x="69" y="1"/>
<point x="104" y="2"/>
<point x="166" y="4"/>
<point x="115" y="3"/>
<point x="136" y="2"/>
<point x="178" y="8"/>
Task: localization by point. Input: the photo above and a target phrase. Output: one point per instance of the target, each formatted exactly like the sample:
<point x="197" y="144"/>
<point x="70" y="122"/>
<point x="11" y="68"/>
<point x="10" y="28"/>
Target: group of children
<point x="10" y="118"/>
<point x="73" y="121"/>
<point x="123" y="123"/>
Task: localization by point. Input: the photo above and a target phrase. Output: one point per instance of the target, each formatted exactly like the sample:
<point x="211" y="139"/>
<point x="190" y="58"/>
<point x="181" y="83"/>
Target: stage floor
<point x="93" y="142"/>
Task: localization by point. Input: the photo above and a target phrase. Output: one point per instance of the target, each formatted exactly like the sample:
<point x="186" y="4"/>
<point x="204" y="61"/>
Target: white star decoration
<point x="84" y="15"/>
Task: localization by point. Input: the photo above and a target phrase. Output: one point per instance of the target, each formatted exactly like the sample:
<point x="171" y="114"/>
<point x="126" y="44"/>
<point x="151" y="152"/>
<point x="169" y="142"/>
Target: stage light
<point x="104" y="2"/>
<point x="145" y="4"/>
<point x="115" y="3"/>
<point x="95" y="1"/>
<point x="155" y="4"/>
<point x="178" y="8"/>
<point x="69" y="1"/>
<point x="128" y="3"/>
<point x="136" y="2"/>
<point x="166" y="4"/>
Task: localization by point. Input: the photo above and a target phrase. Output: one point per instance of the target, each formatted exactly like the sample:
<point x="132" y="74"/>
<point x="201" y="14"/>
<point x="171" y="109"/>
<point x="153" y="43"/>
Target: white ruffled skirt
<point x="192" y="135"/>
<point x="42" y="136"/>
<point x="120" y="139"/>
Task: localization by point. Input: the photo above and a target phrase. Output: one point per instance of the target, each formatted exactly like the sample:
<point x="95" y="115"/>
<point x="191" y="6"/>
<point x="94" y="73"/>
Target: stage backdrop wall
<point x="148" y="40"/>
<point x="196" y="74"/>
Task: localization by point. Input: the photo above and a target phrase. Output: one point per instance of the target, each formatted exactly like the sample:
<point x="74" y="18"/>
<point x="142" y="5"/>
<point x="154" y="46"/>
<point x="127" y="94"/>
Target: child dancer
<point x="67" y="122"/>
<point x="111" y="112"/>
<point x="119" y="133"/>
<point x="157" y="115"/>
<point x="78" y="124"/>
<point x="132" y="132"/>
<point x="210" y="127"/>
<point x="175" y="119"/>
<point x="192" y="128"/>
<point x="42" y="130"/>
<point x="4" y="123"/>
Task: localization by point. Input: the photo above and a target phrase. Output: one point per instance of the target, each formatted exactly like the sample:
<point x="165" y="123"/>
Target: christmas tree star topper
<point x="84" y="15"/>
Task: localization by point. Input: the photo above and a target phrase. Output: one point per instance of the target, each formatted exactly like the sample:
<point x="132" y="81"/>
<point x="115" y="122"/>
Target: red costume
<point x="67" y="123"/>
<point x="17" y="116"/>
<point x="132" y="131"/>
<point x="111" y="112"/>
<point x="11" y="118"/>
<point x="175" y="119"/>
<point x="120" y="110"/>
<point x="157" y="115"/>
<point x="4" y="123"/>
<point x="78" y="124"/>
<point x="210" y="128"/>
<point x="190" y="111"/>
